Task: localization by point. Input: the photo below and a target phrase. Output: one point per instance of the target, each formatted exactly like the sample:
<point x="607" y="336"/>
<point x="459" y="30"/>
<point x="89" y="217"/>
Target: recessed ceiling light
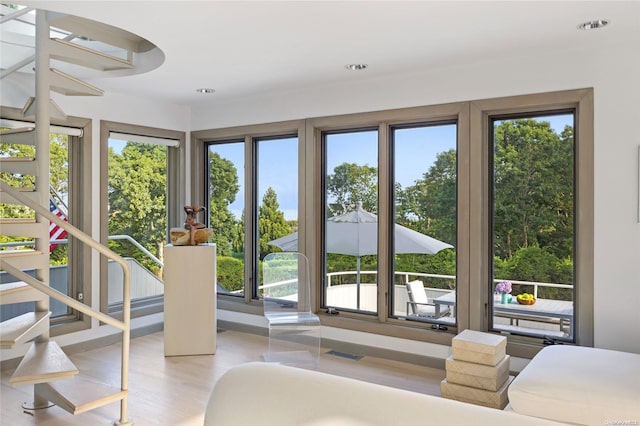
<point x="356" y="67"/>
<point x="592" y="25"/>
<point x="205" y="90"/>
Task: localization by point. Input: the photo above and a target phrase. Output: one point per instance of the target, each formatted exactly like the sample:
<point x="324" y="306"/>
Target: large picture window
<point x="351" y="226"/>
<point x="412" y="217"/>
<point x="251" y="190"/>
<point x="425" y="221"/>
<point x="532" y="222"/>
<point x="141" y="168"/>
<point x="226" y="212"/>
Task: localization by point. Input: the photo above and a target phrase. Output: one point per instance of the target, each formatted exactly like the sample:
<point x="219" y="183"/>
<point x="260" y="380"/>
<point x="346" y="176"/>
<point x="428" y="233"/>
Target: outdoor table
<point x="542" y="309"/>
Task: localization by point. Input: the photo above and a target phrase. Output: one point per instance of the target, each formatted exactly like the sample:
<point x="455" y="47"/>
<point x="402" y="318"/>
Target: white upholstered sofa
<point x="579" y="385"/>
<point x="571" y="385"/>
<point x="275" y="395"/>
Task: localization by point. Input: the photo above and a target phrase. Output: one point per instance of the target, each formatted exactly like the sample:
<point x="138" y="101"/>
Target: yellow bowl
<point x="526" y="301"/>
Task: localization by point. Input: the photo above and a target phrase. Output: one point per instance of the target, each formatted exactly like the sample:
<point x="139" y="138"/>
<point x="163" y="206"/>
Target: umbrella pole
<point x="358" y="282"/>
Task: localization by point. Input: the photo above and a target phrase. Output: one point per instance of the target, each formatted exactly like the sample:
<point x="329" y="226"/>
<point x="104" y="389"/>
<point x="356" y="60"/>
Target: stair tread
<point x="18" y="130"/>
<point x="99" y="31"/>
<point x="43" y="362"/>
<point x="18" y="292"/>
<point x="83" y="394"/>
<point x="23" y="228"/>
<point x="21" y="189"/>
<point x="25" y="259"/>
<point x="21" y="136"/>
<point x="20" y="165"/>
<point x="29" y="110"/>
<point x="80" y="55"/>
<point x="13" y="286"/>
<point x="16" y="220"/>
<point x="15" y="253"/>
<point x="70" y="86"/>
<point x="21" y="328"/>
<point x="16" y="159"/>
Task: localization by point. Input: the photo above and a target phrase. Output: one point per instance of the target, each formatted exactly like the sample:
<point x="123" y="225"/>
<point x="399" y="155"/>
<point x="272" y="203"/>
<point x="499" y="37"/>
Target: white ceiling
<point x="243" y="48"/>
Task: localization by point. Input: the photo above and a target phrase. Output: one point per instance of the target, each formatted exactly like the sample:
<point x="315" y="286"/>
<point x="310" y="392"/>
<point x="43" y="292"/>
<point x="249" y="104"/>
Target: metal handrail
<point x="124" y="325"/>
<point x="111" y="237"/>
<point x="138" y="246"/>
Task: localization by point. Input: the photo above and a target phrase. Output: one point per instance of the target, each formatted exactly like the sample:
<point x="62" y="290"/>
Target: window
<point x="277" y="191"/>
<point x="533" y="224"/>
<point x="226" y="206"/>
<point x="535" y="187"/>
<point x="141" y="168"/>
<point x="425" y="220"/>
<point x="70" y="179"/>
<point x="445" y="174"/>
<point x="251" y="188"/>
<point x="351" y="226"/>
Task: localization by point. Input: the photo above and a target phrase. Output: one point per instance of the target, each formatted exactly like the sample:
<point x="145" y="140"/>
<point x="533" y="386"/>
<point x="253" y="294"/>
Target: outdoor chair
<point x="294" y="331"/>
<point x="418" y="304"/>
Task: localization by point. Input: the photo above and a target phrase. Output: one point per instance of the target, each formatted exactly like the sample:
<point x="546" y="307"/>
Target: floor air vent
<point x="345" y="355"/>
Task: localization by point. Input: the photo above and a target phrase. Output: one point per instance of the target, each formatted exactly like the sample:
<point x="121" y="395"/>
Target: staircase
<point x="55" y="379"/>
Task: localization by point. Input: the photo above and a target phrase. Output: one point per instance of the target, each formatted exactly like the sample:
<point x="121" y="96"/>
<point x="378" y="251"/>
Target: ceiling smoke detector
<point x="205" y="90"/>
<point x="356" y="67"/>
<point x="592" y="25"/>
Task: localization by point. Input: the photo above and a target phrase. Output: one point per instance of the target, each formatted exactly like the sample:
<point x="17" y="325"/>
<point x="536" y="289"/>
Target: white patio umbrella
<point x="356" y="233"/>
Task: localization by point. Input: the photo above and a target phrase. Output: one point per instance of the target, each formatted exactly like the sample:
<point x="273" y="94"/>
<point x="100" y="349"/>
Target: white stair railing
<point x="124" y="325"/>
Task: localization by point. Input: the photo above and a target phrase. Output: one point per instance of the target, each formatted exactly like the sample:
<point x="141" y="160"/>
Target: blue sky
<point x="415" y="150"/>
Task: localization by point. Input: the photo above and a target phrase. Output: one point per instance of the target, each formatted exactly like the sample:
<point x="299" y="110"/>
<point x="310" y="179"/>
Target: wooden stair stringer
<point x="43" y="362"/>
<point x="79" y="395"/>
<point x="23" y="328"/>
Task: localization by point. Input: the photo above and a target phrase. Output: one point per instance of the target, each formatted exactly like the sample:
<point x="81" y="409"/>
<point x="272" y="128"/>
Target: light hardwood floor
<point x="174" y="390"/>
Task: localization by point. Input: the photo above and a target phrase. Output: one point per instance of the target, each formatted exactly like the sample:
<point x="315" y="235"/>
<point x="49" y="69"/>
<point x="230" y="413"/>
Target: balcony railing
<point x="409" y="276"/>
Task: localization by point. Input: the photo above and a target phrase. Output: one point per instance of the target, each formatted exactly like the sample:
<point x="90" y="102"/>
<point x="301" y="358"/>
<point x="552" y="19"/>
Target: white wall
<point x="612" y="71"/>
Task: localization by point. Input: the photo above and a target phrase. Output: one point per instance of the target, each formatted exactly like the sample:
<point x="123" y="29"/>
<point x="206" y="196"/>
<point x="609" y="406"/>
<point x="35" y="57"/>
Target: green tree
<point x="533" y="187"/>
<point x="230" y="273"/>
<point x="271" y="222"/>
<point x="223" y="188"/>
<point x="137" y="199"/>
<point x="238" y="235"/>
<point x="59" y="176"/>
<point x="429" y="206"/>
<point x="351" y="184"/>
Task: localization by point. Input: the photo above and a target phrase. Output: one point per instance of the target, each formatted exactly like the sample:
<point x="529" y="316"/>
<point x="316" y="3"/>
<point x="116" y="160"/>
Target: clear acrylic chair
<point x="294" y="331"/>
